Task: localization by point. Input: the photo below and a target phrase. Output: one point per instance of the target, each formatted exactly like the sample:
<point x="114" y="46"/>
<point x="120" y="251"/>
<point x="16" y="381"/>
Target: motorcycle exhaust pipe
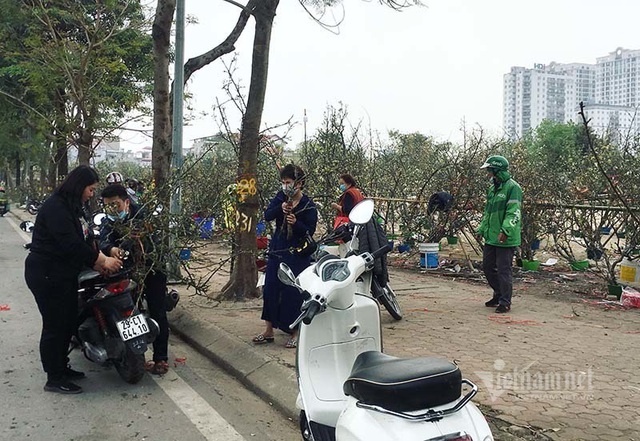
<point x="172" y="299"/>
<point x="94" y="353"/>
<point x="154" y="330"/>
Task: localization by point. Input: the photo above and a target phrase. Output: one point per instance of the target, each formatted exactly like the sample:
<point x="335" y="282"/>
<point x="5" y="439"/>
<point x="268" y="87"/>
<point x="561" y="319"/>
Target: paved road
<point x="194" y="402"/>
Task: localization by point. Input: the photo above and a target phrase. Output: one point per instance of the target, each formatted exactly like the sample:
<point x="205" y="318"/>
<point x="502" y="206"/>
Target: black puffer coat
<point x="372" y="237"/>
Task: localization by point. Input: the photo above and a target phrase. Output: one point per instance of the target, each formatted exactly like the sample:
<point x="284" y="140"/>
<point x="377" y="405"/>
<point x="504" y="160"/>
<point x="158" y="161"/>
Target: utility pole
<point x="304" y="121"/>
<point x="178" y="100"/>
<point x="176" y="139"/>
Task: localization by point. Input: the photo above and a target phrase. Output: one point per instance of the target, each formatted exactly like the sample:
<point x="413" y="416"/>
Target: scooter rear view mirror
<point x="362" y="212"/>
<point x="286" y="276"/>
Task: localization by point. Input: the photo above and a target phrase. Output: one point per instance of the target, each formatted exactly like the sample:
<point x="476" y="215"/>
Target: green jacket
<point x="502" y="212"/>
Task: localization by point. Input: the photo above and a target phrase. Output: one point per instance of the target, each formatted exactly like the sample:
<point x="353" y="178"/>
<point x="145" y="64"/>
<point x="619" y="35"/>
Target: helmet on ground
<point x="496" y="163"/>
<point x="114" y="178"/>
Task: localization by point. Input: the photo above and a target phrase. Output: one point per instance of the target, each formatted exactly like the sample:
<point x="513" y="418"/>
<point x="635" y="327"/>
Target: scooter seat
<point x="403" y="385"/>
<point x="87" y="275"/>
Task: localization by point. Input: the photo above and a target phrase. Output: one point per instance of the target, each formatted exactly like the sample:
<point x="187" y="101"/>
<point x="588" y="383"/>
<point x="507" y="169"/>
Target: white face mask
<point x="289" y="189"/>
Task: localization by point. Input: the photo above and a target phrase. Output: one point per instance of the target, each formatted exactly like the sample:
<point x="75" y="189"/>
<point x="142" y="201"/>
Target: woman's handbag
<point x="307" y="246"/>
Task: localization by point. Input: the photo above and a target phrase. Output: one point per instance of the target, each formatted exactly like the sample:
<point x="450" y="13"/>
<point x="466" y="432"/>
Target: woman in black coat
<point x="62" y="244"/>
<point x="296" y="217"/>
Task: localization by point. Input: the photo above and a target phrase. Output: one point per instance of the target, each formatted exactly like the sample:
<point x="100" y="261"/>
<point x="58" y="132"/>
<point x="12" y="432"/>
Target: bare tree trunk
<point x="59" y="163"/>
<point x="52" y="172"/>
<point x="43" y="181"/>
<point x="62" y="159"/>
<point x="244" y="276"/>
<point x="85" y="147"/>
<point x="18" y="175"/>
<point x="161" y="149"/>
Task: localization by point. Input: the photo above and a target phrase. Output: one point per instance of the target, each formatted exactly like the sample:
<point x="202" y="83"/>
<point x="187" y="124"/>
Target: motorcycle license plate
<point x="132" y="327"/>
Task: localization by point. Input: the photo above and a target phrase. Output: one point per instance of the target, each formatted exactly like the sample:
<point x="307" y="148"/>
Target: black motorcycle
<point x="112" y="330"/>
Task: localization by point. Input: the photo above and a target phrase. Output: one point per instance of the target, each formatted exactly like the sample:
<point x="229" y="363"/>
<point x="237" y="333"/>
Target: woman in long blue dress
<point x="296" y="217"/>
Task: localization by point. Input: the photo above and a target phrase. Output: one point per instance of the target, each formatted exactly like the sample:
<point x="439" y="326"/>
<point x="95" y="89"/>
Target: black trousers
<point x="155" y="288"/>
<point x="57" y="300"/>
<point x="497" y="263"/>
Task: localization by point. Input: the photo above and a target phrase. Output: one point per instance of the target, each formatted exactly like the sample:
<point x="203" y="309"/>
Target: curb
<point x="270" y="380"/>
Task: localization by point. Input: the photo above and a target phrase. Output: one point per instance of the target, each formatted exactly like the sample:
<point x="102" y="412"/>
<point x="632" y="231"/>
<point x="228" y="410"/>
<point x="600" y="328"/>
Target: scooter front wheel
<point x="388" y="299"/>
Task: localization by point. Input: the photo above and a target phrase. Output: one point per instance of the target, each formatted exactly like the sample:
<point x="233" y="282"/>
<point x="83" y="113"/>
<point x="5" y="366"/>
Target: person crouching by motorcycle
<point x="126" y="216"/>
<point x="62" y="244"/>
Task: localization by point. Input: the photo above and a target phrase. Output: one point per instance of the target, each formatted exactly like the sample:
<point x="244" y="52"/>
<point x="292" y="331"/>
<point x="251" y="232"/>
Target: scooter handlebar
<point x="314" y="308"/>
<point x="381" y="251"/>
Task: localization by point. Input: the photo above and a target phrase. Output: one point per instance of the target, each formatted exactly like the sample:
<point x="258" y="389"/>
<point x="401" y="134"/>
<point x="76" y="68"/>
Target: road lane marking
<point x="17" y="228"/>
<point x="209" y="422"/>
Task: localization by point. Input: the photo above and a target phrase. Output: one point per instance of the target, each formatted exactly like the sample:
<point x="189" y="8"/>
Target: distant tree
<point x="334" y="149"/>
<point x="86" y="64"/>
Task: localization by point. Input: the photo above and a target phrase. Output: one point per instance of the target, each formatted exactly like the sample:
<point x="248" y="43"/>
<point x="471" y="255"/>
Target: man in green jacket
<point x="500" y="229"/>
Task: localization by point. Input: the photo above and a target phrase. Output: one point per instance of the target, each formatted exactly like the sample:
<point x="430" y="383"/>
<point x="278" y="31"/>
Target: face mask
<point x="122" y="214"/>
<point x="343" y="187"/>
<point x="288" y="189"/>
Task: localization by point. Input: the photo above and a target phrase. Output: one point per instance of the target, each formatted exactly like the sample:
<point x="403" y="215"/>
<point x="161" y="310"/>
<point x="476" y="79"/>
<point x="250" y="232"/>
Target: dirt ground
<point x="554" y="282"/>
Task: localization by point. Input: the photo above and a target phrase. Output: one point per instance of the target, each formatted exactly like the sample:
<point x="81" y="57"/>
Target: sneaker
<point x="492" y="303"/>
<point x="62" y="387"/>
<point x="501" y="309"/>
<point x="71" y="374"/>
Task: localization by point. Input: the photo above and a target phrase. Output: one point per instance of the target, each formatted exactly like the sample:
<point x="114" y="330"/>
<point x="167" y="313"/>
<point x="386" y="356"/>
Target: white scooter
<point x="348" y="389"/>
<point x="367" y="282"/>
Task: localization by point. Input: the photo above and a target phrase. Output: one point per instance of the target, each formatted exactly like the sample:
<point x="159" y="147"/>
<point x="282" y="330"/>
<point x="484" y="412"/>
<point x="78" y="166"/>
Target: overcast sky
<point x="425" y="69"/>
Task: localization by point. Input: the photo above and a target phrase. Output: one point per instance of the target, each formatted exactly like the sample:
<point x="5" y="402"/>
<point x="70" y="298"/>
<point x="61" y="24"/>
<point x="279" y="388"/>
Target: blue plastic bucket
<point x="429" y="258"/>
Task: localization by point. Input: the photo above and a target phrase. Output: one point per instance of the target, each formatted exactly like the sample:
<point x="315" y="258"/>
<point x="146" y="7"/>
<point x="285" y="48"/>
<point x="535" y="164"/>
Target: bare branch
<point x="614" y="187"/>
<point x="223" y="48"/>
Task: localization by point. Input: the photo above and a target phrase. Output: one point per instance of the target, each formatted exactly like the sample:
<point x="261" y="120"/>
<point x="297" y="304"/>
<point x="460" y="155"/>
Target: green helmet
<point x="496" y="162"/>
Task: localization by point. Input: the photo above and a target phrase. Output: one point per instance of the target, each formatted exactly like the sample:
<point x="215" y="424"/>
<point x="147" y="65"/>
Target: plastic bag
<point x="630" y="297"/>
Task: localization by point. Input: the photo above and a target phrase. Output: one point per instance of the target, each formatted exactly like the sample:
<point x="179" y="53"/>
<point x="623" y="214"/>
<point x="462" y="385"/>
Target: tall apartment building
<point x="618" y="80"/>
<point x="610" y="89"/>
